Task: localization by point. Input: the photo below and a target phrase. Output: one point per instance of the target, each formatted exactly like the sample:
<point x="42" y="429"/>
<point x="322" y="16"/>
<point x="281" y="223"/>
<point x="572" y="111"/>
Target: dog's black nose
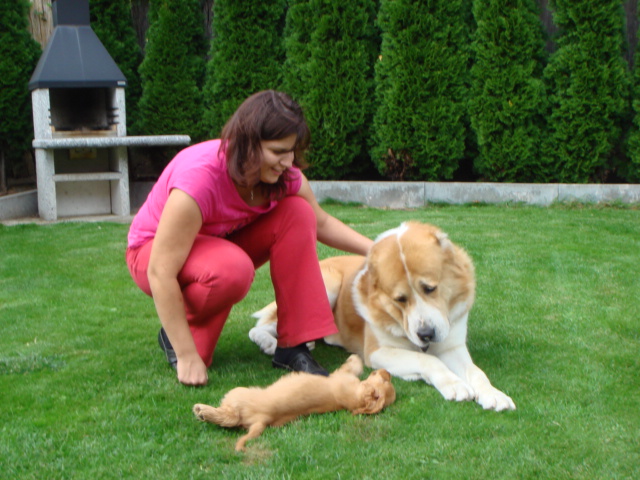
<point x="426" y="334"/>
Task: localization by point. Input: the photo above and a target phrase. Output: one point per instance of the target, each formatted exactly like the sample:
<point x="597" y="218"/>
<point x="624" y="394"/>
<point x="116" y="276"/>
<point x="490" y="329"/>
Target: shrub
<point x="422" y="86"/>
<point x="246" y="56"/>
<point x="111" y="20"/>
<point x="18" y="57"/>
<point x="588" y="90"/>
<point x="508" y="97"/>
<point x="331" y="48"/>
<point x="173" y="70"/>
<point x="630" y="170"/>
<point x="299" y="26"/>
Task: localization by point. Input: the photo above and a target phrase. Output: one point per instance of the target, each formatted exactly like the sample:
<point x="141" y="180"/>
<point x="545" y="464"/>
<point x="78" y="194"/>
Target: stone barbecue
<point x="79" y="122"/>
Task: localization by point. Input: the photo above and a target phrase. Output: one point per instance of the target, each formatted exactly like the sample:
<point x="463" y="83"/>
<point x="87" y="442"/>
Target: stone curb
<point x="398" y="195"/>
<point x="417" y="194"/>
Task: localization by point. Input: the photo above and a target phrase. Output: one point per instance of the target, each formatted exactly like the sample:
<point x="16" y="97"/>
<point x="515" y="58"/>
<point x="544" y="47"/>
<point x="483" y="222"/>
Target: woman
<point x="221" y="209"/>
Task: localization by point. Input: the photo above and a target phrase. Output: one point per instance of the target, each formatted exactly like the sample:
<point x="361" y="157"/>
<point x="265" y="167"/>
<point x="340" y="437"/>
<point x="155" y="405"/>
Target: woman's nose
<point x="287" y="160"/>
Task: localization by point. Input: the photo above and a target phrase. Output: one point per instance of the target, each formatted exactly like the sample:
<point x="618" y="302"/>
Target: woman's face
<point x="277" y="156"/>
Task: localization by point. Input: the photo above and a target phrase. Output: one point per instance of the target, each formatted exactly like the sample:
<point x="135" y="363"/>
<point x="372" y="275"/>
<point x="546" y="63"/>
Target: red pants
<point x="219" y="272"/>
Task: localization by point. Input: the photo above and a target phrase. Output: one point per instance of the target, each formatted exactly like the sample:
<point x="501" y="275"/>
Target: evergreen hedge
<point x="246" y="56"/>
<point x="588" y="90"/>
<point x="19" y="54"/>
<point x="422" y="88"/>
<point x="111" y="21"/>
<point x="630" y="170"/>
<point x="331" y="47"/>
<point x="535" y="119"/>
<point x="172" y="71"/>
<point x="508" y="100"/>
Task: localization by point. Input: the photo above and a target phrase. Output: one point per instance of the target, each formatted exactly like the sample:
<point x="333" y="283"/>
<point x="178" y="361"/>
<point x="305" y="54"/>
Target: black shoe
<point x="166" y="347"/>
<point x="297" y="359"/>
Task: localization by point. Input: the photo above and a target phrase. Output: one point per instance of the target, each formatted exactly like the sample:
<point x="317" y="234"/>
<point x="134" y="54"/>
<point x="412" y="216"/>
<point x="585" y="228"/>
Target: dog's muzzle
<point x="426" y="336"/>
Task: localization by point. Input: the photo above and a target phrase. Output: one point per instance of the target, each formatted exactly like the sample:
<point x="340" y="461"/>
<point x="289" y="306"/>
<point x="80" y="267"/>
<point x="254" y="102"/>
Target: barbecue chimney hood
<point x="74" y="56"/>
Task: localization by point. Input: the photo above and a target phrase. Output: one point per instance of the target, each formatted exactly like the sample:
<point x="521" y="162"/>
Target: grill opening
<point x="83" y="110"/>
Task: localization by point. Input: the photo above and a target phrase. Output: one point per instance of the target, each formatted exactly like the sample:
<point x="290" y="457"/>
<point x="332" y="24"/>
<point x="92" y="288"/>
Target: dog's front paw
<point x="456" y="390"/>
<point x="264" y="338"/>
<point x="493" y="399"/>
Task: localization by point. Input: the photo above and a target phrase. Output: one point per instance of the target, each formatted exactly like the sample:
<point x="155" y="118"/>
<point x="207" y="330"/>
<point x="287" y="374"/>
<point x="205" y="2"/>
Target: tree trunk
<point x="207" y="10"/>
<point x="546" y="17"/>
<point x="41" y="21"/>
<point x="631" y="9"/>
<point x="139" y="10"/>
<point x="3" y="179"/>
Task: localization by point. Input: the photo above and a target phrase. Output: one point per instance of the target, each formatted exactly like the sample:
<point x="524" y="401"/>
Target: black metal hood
<point x="74" y="56"/>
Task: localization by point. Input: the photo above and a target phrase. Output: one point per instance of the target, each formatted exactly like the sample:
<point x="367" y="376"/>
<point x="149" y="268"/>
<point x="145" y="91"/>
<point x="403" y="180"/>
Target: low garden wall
<point x="396" y="195"/>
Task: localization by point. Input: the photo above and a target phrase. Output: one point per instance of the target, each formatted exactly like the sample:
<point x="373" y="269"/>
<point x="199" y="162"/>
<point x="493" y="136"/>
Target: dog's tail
<point x="225" y="415"/>
<point x="267" y="315"/>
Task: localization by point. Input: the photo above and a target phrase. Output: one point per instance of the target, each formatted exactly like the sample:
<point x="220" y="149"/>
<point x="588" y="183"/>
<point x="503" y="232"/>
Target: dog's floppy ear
<point x="371" y="399"/>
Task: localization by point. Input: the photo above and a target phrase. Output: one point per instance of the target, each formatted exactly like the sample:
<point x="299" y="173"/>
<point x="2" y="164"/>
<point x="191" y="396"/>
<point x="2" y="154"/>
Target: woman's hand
<point x="192" y="370"/>
<point x="179" y="224"/>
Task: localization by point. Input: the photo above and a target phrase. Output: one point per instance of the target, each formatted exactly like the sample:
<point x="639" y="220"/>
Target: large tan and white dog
<point x="404" y="308"/>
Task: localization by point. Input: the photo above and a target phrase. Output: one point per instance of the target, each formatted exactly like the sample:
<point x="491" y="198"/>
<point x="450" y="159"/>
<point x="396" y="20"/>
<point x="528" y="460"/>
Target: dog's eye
<point x="428" y="289"/>
<point x="401" y="299"/>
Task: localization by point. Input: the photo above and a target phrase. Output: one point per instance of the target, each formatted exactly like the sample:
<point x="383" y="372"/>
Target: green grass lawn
<point x="86" y="394"/>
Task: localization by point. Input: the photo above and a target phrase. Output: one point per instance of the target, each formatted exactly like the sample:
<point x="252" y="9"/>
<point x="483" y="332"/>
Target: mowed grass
<point x="86" y="394"/>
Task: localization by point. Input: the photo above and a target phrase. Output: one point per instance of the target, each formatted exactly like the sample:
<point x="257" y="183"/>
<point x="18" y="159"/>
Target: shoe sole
<point x="284" y="366"/>
<point x="169" y="353"/>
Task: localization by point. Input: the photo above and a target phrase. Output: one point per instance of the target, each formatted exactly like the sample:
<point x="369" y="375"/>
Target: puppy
<point x="297" y="394"/>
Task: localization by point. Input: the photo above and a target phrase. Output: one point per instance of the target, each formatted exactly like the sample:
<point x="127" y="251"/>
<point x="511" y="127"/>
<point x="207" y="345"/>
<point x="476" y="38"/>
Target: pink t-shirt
<point x="200" y="172"/>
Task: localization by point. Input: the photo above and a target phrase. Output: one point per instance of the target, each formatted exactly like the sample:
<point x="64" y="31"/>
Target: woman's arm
<point x="179" y="224"/>
<point x="331" y="231"/>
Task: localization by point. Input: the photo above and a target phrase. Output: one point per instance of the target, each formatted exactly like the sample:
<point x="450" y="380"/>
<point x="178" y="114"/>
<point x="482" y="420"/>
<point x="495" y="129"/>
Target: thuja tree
<point x="588" y="89"/>
<point x="18" y="57"/>
<point x="422" y="88"/>
<point x="111" y="20"/>
<point x="331" y="49"/>
<point x="299" y="26"/>
<point x="172" y="71"/>
<point x="246" y="56"/>
<point x="630" y="170"/>
<point x="508" y="98"/>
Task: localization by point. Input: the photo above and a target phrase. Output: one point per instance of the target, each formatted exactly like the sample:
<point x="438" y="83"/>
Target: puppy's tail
<point x="225" y="416"/>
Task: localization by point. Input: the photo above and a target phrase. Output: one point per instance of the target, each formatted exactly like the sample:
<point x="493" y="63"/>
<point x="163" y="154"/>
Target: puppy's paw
<point x="456" y="390"/>
<point x="198" y="410"/>
<point x="493" y="399"/>
<point x="354" y="365"/>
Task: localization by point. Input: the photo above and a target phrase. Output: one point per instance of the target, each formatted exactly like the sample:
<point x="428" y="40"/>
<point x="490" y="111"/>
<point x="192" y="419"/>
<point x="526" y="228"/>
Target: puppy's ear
<point x="371" y="399"/>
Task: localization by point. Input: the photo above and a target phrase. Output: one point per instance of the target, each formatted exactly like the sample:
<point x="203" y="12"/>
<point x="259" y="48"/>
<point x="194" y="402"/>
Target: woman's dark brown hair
<point x="266" y="115"/>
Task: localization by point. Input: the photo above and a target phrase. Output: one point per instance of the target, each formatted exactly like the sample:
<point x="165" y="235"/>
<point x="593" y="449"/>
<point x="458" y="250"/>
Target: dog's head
<point x="376" y="392"/>
<point x="413" y="278"/>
